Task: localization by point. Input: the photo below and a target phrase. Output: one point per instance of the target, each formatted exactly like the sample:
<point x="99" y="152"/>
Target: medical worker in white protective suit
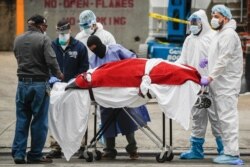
<point x="225" y="67"/>
<point x="194" y="48"/>
<point x="89" y="26"/>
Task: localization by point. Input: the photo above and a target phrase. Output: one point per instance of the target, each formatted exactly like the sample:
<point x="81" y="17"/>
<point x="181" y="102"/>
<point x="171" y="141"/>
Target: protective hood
<point x="99" y="25"/>
<point x="204" y="20"/>
<point x="231" y="24"/>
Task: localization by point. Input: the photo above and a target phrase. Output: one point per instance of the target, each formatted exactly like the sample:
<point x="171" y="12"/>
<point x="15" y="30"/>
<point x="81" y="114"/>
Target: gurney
<point x="126" y="83"/>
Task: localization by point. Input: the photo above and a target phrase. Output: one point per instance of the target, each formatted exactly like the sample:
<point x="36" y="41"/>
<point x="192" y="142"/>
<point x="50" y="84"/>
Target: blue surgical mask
<point x="195" y="29"/>
<point x="63" y="38"/>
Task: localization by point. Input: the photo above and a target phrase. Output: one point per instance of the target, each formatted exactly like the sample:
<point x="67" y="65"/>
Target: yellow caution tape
<point x="166" y="18"/>
<point x="164" y="43"/>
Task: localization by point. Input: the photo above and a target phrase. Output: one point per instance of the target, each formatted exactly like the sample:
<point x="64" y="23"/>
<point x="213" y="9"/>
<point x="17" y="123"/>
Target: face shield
<point x="84" y="26"/>
<point x="87" y="28"/>
<point x="63" y="32"/>
<point x="195" y="24"/>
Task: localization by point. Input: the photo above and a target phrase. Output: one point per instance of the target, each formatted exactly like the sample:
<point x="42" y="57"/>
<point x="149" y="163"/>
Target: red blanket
<point x="129" y="73"/>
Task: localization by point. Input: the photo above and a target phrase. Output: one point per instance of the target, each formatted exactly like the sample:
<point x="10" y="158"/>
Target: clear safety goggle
<point x="195" y="21"/>
<point x="85" y="26"/>
<point x="63" y="32"/>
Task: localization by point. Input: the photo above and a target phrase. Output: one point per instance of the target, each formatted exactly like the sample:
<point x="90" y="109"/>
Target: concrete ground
<point x="147" y="148"/>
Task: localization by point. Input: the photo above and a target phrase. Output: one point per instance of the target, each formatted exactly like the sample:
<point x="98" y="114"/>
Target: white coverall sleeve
<point x="109" y="39"/>
<point x="227" y="46"/>
<point x="183" y="57"/>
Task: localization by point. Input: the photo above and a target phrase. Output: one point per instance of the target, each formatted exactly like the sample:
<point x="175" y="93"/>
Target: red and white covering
<point x="118" y="84"/>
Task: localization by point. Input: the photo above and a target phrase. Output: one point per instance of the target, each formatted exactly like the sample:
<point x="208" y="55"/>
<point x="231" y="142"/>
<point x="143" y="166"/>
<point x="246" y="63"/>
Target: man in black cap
<point x="72" y="57"/>
<point x="35" y="59"/>
<point x="38" y="22"/>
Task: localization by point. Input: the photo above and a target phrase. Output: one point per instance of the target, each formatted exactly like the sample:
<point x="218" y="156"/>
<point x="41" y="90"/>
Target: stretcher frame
<point x="166" y="153"/>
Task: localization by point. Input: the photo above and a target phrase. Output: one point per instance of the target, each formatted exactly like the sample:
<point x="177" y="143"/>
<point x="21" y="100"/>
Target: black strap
<point x="94" y="31"/>
<point x="149" y="95"/>
<point x="91" y="94"/>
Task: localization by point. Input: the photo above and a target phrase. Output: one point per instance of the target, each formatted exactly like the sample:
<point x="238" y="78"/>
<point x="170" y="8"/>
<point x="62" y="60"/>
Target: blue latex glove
<point x="203" y="62"/>
<point x="53" y="80"/>
<point x="204" y="81"/>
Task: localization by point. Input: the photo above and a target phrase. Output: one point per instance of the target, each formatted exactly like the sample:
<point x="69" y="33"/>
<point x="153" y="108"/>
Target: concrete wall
<point x="7" y="24"/>
<point x="127" y="20"/>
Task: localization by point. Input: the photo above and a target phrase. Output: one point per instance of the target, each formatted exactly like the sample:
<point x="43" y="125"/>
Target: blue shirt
<point x="114" y="52"/>
<point x="73" y="60"/>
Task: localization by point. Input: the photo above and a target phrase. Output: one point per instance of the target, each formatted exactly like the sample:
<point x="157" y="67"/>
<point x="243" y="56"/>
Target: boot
<point x="228" y="159"/>
<point x="196" y="150"/>
<point x="109" y="152"/>
<point x="220" y="147"/>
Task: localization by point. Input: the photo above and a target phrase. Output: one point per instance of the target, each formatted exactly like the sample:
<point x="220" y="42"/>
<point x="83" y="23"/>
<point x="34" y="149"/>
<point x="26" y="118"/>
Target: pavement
<point x="146" y="147"/>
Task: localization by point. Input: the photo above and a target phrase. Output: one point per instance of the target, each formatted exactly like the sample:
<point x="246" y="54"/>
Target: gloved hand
<point x="205" y="81"/>
<point x="203" y="62"/>
<point x="53" y="80"/>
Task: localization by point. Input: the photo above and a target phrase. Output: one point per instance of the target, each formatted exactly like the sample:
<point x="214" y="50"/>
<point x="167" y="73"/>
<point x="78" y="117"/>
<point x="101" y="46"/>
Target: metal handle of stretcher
<point x="100" y="133"/>
<point x="164" y="129"/>
<point x="167" y="151"/>
<point x="154" y="134"/>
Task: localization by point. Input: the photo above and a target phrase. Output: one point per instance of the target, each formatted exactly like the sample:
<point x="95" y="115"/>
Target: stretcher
<point x="166" y="153"/>
<point x="126" y="83"/>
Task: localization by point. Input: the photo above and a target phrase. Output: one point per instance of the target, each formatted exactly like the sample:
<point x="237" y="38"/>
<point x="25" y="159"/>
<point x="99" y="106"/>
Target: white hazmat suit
<point x="106" y="37"/>
<point x="196" y="47"/>
<point x="225" y="66"/>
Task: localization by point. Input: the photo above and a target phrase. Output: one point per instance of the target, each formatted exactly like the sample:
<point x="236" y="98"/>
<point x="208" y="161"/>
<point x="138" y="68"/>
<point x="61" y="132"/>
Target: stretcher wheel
<point x="90" y="157"/>
<point x="170" y="157"/>
<point x="98" y="155"/>
<point x="161" y="160"/>
<point x="198" y="104"/>
<point x="207" y="102"/>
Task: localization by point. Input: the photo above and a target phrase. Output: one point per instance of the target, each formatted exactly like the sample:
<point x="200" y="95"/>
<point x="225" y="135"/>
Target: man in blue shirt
<point x="72" y="57"/>
<point x="121" y="123"/>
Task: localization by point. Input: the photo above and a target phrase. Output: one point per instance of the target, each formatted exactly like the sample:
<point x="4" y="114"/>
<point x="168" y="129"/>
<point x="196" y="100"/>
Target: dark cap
<point x="63" y="25"/>
<point x="37" y="19"/>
